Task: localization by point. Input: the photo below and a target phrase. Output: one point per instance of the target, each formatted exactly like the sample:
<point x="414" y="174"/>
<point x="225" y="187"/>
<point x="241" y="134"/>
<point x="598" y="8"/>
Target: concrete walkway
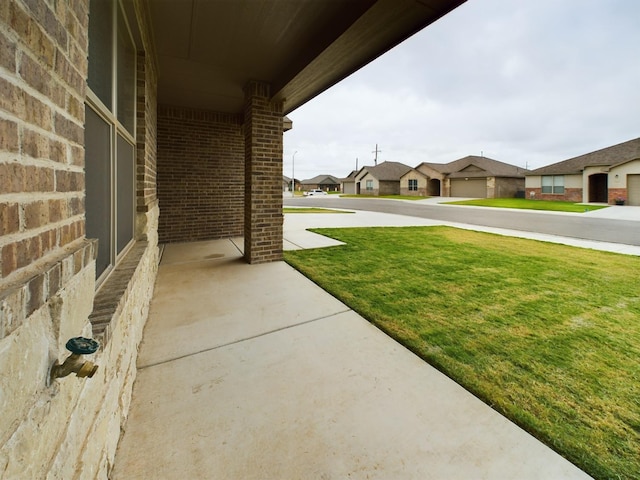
<point x="297" y="237"/>
<point x="254" y="372"/>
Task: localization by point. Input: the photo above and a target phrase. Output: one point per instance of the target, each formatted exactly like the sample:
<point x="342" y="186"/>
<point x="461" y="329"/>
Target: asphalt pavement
<point x="614" y="224"/>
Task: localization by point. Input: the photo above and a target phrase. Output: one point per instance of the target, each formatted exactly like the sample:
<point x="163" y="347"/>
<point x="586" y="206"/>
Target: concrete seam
<point x="253" y="337"/>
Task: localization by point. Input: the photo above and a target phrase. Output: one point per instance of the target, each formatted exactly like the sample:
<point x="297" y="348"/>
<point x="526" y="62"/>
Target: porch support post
<point x="263" y="130"/>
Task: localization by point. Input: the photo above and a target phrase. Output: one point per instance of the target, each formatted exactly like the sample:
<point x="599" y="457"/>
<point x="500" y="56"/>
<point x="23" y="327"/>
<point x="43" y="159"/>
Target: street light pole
<point x="293" y="175"/>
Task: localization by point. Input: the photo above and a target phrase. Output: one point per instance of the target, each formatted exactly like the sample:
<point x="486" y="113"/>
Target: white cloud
<point x="528" y="83"/>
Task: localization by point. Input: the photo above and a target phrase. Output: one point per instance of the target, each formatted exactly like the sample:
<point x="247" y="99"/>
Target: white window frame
<point x="554" y="184"/>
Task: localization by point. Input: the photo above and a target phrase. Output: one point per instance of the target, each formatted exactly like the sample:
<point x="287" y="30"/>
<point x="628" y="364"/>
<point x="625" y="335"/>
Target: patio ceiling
<point x="209" y="49"/>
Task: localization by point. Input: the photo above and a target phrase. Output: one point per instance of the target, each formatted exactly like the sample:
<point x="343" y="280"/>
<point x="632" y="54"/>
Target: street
<point x="567" y="225"/>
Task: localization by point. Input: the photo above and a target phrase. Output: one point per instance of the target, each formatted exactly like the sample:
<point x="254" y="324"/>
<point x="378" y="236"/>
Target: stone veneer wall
<point x="200" y="174"/>
<point x="68" y="429"/>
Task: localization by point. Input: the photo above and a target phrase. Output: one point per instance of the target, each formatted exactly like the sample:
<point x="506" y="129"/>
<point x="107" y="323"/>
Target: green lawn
<point x="547" y="334"/>
<point x="527" y="204"/>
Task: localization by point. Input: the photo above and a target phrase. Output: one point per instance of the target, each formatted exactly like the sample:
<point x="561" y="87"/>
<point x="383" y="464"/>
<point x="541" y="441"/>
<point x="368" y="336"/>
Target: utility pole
<point x="293" y="175"/>
<point x="376" y="151"/>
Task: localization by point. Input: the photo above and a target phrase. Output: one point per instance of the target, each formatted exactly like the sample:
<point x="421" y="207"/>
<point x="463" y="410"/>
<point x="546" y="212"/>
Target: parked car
<point x="315" y="191"/>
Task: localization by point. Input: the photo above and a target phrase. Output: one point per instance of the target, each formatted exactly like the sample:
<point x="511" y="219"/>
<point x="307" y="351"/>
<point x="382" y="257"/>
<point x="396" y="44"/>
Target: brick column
<point x="263" y="218"/>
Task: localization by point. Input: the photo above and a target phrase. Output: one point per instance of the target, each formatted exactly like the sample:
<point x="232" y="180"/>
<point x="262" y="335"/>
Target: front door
<point x="598" y="188"/>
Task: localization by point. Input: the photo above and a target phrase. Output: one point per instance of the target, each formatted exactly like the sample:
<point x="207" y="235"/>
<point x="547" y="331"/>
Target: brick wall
<point x="200" y="174"/>
<point x="68" y="428"/>
<point x="42" y="89"/>
<point x="616" y="193"/>
<point x="263" y="127"/>
<point x="570" y="195"/>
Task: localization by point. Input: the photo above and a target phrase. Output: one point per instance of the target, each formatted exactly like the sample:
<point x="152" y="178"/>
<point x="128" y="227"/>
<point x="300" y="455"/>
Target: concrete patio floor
<point x="254" y="372"/>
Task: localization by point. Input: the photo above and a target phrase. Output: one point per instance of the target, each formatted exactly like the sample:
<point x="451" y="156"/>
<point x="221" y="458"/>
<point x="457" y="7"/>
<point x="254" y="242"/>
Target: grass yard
<point x="548" y="335"/>
<point x="526" y="204"/>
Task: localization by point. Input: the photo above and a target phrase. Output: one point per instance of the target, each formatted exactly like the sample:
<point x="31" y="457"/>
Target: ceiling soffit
<point x="209" y="49"/>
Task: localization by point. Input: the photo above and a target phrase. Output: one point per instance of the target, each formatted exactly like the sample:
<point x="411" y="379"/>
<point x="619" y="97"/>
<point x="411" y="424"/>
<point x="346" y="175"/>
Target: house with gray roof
<point x="349" y="183"/>
<point x="382" y="179"/>
<point x="471" y="176"/>
<point x="286" y="184"/>
<point x="610" y="175"/>
<point x="327" y="183"/>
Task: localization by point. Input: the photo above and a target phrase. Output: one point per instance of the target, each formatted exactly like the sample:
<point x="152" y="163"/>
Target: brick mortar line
<point x="22" y="85"/>
<point x="24" y="49"/>
<point x="8" y="158"/>
<point x="33" y="232"/>
<point x="42" y="265"/>
<point x="24" y="124"/>
<point x="30" y="197"/>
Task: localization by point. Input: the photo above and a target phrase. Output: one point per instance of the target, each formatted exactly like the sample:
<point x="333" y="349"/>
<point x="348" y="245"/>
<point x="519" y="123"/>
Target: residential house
<point x="602" y="176"/>
<point x="327" y="183"/>
<point x="286" y="184"/>
<point x="382" y="179"/>
<point x="348" y="183"/>
<point x="474" y="177"/>
<point x="416" y="183"/>
<point x="125" y="124"/>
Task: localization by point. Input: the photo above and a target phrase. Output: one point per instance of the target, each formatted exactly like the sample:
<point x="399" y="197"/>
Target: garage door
<point x="633" y="190"/>
<point x="474" y="187"/>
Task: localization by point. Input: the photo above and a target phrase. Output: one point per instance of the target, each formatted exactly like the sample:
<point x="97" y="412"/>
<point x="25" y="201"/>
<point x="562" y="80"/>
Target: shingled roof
<point x="321" y="180"/>
<point x="387" y="171"/>
<point x="606" y="157"/>
<point x="479" y="167"/>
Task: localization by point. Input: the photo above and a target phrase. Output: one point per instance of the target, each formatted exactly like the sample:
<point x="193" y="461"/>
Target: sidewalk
<point x="297" y="237"/>
<point x="254" y="372"/>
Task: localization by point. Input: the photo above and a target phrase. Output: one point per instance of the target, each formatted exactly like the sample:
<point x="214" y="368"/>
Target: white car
<point x="315" y="191"/>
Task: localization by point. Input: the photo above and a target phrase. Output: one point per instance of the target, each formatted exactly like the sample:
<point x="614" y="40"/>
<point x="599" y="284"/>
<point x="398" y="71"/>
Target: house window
<point x="553" y="184"/>
<point x="110" y="133"/>
<point x="413" y="185"/>
<point x="369" y="184"/>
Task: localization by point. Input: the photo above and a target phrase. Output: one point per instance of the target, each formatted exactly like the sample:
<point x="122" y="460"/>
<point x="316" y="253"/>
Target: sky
<point x="524" y="82"/>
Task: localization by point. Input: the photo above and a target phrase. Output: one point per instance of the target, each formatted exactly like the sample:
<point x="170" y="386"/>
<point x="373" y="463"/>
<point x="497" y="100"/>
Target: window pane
<point x="558" y="184"/>
<point x="126" y="76"/>
<point x="125" y="193"/>
<point x="97" y="134"/>
<point x="100" y="48"/>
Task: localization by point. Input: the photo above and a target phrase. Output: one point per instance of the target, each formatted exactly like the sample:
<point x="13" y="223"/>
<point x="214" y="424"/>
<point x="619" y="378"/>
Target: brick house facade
<point x="609" y="175"/>
<point x="102" y="158"/>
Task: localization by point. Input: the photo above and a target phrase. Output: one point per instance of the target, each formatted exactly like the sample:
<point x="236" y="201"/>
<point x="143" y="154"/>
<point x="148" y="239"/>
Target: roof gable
<point x="472" y="168"/>
<point x="473" y="165"/>
<point x="321" y="179"/>
<point x="386" y="171"/>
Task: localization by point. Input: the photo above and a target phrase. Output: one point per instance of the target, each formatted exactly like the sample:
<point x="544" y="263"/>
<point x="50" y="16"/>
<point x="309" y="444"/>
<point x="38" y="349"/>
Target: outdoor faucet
<point x="74" y="363"/>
